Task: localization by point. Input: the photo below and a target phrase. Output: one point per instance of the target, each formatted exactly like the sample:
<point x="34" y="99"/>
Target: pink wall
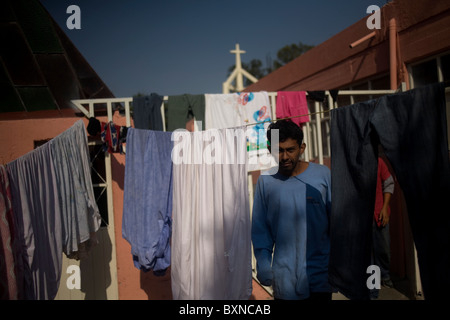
<point x="17" y="136"/>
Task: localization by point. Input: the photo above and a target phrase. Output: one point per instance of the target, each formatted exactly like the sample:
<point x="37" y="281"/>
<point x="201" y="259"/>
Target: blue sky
<point x="183" y="46"/>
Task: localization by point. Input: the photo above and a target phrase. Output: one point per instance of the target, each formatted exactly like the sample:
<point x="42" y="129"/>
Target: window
<point x="424" y="73"/>
<point x="430" y="71"/>
<point x="361" y="97"/>
<point x="383" y="83"/>
<point x="445" y="67"/>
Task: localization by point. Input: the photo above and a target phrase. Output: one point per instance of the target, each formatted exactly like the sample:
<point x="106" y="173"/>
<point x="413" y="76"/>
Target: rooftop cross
<point x="237" y="73"/>
<point x="238" y="52"/>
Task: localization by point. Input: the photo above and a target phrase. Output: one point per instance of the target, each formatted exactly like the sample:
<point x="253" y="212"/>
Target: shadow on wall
<point x="118" y="169"/>
<point x="95" y="268"/>
<point x="156" y="287"/>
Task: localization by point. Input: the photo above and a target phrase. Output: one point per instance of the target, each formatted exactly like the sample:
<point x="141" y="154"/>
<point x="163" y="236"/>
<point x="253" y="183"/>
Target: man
<point x="380" y="227"/>
<point x="290" y="222"/>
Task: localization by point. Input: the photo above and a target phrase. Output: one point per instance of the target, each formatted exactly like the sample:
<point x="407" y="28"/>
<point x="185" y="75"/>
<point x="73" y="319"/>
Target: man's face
<point x="289" y="153"/>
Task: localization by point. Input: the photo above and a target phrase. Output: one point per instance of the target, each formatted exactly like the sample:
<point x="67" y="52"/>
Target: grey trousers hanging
<point x="411" y="127"/>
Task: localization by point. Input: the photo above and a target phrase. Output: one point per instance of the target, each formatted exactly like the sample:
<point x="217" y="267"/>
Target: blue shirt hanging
<point x="147" y="204"/>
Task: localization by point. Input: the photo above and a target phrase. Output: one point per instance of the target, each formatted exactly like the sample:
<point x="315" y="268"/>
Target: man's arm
<point x="388" y="190"/>
<point x="384" y="213"/>
<point x="262" y="237"/>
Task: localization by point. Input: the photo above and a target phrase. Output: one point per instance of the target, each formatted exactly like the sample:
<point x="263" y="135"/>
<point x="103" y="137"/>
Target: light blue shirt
<point x="291" y="221"/>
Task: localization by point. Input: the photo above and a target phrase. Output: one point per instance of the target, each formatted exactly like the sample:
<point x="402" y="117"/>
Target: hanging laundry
<point x="319" y="96"/>
<point x="54" y="209"/>
<point x="292" y="103"/>
<point x="37" y="218"/>
<point x="147" y="204"/>
<point x="222" y="111"/>
<point x="211" y="244"/>
<point x="147" y="112"/>
<point x="110" y="136"/>
<point x="122" y="138"/>
<point x="94" y="127"/>
<point x="334" y="94"/>
<point x="80" y="215"/>
<point x="113" y="137"/>
<point x="179" y="107"/>
<point x="247" y="108"/>
<point x="411" y="127"/>
<point x="8" y="252"/>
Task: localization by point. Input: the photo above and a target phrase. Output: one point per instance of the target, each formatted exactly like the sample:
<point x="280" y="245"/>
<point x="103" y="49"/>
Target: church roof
<point x="40" y="68"/>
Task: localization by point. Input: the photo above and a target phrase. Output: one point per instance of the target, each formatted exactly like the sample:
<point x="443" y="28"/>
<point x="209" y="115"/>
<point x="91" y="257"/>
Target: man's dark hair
<point x="286" y="129"/>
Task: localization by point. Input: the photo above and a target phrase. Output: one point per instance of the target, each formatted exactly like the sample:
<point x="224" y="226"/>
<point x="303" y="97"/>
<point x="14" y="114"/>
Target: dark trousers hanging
<point x="411" y="127"/>
<point x="147" y="112"/>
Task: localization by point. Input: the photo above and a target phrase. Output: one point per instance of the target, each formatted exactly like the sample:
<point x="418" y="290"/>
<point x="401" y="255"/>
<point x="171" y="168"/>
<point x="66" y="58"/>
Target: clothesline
<point x="286" y="118"/>
<point x="89" y="112"/>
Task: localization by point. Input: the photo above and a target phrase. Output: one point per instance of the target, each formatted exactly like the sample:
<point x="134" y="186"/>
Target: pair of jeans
<point x="411" y="127"/>
<point x="147" y="112"/>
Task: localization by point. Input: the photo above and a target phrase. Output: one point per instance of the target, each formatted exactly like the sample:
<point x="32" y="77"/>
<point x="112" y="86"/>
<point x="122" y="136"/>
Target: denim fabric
<point x="381" y="249"/>
<point x="411" y="127"/>
<point x="147" y="112"/>
<point x="147" y="203"/>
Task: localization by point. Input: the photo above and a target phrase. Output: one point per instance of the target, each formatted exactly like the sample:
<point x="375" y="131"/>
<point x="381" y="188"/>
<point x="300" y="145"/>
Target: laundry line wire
<point x="286" y="118"/>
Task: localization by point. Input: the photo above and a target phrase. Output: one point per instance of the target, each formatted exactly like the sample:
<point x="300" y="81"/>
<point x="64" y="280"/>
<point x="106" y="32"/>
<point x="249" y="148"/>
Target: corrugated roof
<point x="40" y="68"/>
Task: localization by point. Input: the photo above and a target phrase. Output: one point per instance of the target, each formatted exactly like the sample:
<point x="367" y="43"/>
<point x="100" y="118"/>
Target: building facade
<point x="411" y="49"/>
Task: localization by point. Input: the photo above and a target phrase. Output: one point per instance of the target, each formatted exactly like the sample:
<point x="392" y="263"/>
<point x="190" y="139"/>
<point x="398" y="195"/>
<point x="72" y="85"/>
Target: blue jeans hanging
<point x="411" y="127"/>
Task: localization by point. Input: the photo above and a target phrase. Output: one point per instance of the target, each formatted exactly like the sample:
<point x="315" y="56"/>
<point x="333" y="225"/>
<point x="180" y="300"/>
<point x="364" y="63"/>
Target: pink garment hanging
<point x="292" y="103"/>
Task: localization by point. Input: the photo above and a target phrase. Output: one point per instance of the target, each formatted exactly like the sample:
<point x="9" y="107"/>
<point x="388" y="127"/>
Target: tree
<point x="289" y="53"/>
<point x="254" y="67"/>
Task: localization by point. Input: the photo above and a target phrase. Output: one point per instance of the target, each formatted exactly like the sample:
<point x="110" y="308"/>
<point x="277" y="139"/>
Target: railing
<point x="313" y="130"/>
